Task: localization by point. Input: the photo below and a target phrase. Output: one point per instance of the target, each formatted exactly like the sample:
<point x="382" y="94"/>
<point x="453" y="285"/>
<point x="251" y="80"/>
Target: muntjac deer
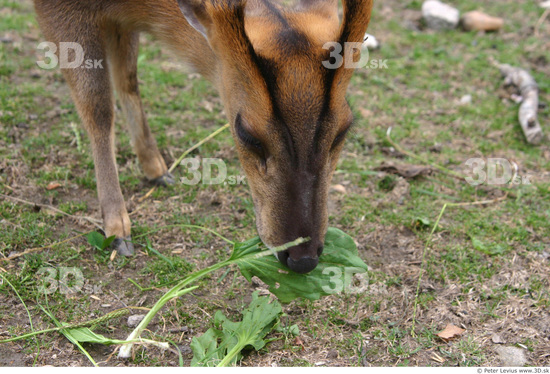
<point x="288" y="112"/>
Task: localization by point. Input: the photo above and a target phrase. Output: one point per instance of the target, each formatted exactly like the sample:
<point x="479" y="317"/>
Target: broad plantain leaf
<point x="205" y="348"/>
<point x="98" y="241"/>
<point x="337" y="265"/>
<point x="488" y="249"/>
<point x="222" y="344"/>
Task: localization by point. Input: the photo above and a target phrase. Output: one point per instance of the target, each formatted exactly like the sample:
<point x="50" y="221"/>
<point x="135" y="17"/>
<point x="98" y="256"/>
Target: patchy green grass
<point x="485" y="269"/>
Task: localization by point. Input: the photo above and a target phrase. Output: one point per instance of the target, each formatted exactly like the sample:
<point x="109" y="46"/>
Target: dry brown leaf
<point x="405" y="170"/>
<point x="53" y="186"/>
<point x="299" y="342"/>
<point x="450" y="332"/>
<point x="339" y="188"/>
<point x="479" y="21"/>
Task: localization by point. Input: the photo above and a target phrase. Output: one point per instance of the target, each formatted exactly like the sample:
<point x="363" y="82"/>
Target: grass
<point x="483" y="261"/>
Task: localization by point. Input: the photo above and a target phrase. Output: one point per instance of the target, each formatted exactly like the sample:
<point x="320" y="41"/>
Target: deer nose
<point x="303" y="264"/>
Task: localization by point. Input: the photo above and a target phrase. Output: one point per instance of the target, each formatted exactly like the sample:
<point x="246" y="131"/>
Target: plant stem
<point x="231" y="354"/>
<point x="176" y="291"/>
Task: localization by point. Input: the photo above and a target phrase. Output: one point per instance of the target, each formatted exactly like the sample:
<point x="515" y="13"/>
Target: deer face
<point x="288" y="112"/>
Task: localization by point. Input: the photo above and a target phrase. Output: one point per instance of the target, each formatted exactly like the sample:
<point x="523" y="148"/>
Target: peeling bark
<point x="529" y="92"/>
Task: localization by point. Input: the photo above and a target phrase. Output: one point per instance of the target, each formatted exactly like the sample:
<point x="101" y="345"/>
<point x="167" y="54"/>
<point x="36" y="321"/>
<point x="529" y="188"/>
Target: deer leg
<point x="122" y="50"/>
<point x="92" y="93"/>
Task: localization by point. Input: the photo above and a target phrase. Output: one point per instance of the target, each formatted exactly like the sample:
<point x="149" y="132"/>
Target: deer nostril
<point x="320" y="250"/>
<point x="303" y="265"/>
<point x="283" y="257"/>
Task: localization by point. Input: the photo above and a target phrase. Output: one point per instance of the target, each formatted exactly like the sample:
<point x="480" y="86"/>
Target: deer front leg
<point x="93" y="97"/>
<point x="92" y="93"/>
<point x="113" y="208"/>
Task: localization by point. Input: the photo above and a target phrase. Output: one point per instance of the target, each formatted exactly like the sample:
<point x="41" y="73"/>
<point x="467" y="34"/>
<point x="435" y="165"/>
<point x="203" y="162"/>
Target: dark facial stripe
<point x="275" y="12"/>
<point x="325" y="110"/>
<point x="268" y="71"/>
<point x="290" y="42"/>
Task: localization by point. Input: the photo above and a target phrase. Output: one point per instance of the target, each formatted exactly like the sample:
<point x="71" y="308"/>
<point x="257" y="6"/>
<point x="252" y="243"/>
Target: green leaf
<point x="340" y="249"/>
<point x="95" y="239"/>
<point x="490" y="250"/>
<point x="107" y="241"/>
<point x="422" y="222"/>
<point x="68" y="335"/>
<point x="205" y="349"/>
<point x="222" y="344"/>
<point x="85" y="335"/>
<point x="334" y="274"/>
<point x="289" y="330"/>
<point x="98" y="241"/>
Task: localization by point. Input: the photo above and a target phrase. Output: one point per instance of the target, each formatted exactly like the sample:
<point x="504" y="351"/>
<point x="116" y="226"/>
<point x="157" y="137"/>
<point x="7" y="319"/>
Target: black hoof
<point x="164" y="180"/>
<point x="124" y="247"/>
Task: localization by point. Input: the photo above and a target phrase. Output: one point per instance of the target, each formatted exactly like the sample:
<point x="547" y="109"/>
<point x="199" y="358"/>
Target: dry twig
<point x="38" y="249"/>
<point x="93" y="221"/>
<point x="541" y="21"/>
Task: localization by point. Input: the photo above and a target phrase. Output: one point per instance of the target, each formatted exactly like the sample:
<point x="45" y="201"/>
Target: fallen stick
<point x="529" y="92"/>
<point x="93" y="221"/>
<point x="38" y="249"/>
<point x="541" y="21"/>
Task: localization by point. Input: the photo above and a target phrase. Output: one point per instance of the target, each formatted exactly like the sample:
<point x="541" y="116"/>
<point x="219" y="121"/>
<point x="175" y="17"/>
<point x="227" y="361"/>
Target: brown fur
<point x="266" y="64"/>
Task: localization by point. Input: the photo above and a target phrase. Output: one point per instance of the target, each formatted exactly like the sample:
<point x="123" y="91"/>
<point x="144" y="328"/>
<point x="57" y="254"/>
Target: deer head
<point x="288" y="112"/>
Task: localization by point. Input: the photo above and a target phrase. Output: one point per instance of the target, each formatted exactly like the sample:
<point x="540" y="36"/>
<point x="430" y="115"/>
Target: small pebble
<point x="497" y="339"/>
<point x="466" y="99"/>
<point x="332" y="354"/>
<point x="135" y="319"/>
<point x="370" y="42"/>
<point x="440" y="16"/>
<point x="511" y="356"/>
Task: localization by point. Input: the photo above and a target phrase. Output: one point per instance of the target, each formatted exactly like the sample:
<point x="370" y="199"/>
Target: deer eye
<point x="340" y="137"/>
<point x="246" y="138"/>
